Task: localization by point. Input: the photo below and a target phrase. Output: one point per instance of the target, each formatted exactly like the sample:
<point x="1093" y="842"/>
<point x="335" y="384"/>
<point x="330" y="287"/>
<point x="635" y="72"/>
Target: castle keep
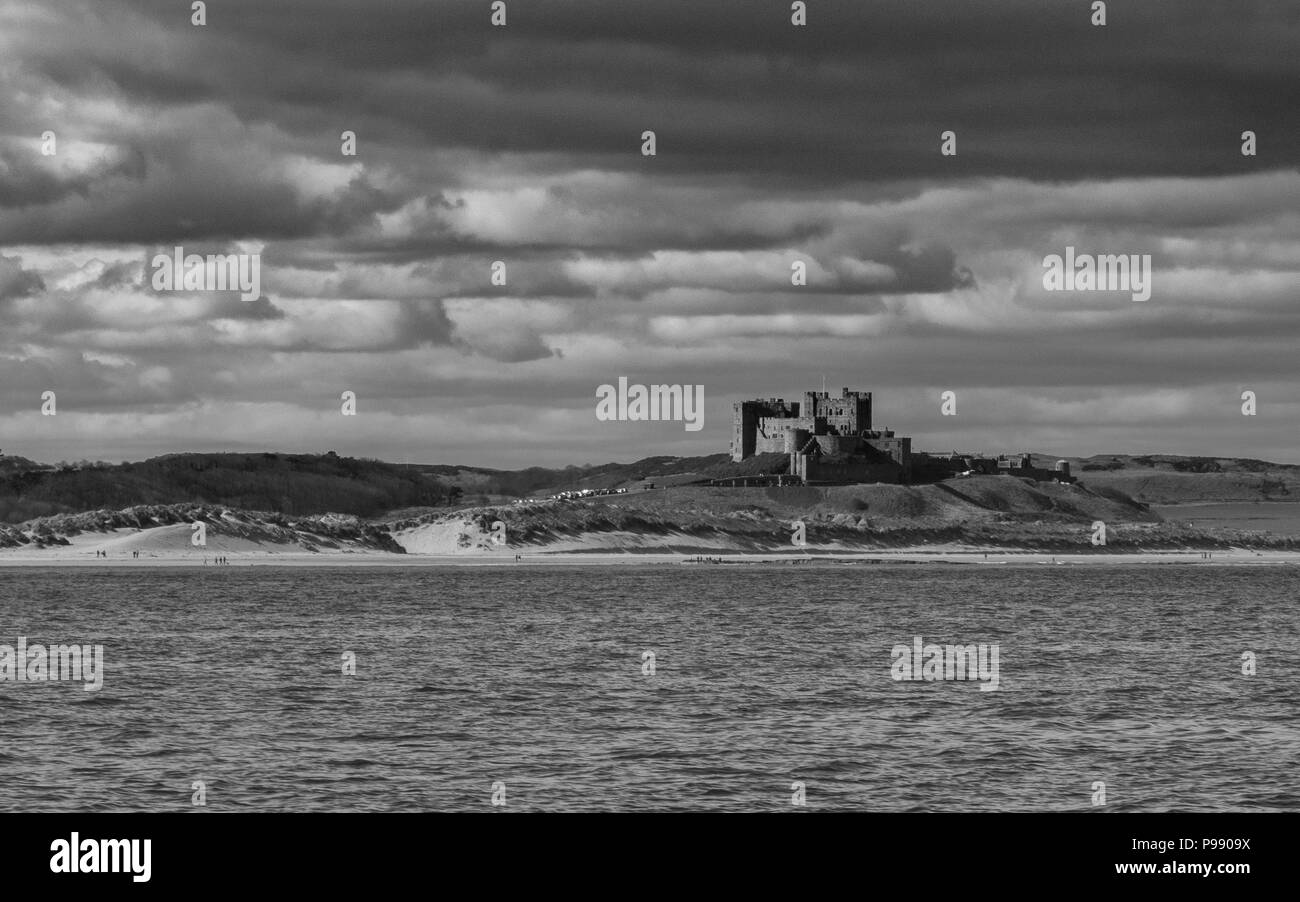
<point x="829" y="438"/>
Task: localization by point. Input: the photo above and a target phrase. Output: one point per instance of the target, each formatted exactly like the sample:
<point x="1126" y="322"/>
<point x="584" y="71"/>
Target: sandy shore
<point x="968" y="556"/>
<point x="170" y="546"/>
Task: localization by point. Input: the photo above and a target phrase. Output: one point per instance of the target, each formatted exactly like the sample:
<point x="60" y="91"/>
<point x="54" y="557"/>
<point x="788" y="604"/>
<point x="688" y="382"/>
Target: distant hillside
<point x="12" y="464"/>
<point x="296" y="484"/>
<point x="1153" y="479"/>
<point x="304" y="484"/>
<point x="521" y="483"/>
<point x="1171" y="479"/>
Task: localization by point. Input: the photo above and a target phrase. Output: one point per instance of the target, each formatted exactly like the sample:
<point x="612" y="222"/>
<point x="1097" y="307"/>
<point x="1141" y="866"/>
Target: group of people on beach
<point x="215" y="560"/>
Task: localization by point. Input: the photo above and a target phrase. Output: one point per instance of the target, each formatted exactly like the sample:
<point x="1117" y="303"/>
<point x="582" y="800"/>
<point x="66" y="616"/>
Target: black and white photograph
<point x="416" y="412"/>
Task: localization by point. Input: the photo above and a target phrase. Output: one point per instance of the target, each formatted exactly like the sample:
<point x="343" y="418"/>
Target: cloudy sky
<point x="522" y="144"/>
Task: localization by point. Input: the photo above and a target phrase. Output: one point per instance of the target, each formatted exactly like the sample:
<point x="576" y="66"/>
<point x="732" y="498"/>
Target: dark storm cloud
<point x="423" y="322"/>
<point x="181" y="198"/>
<point x="1030" y="86"/>
<point x="23" y="184"/>
<point x="227" y="305"/>
<point x="732" y="90"/>
<point x="120" y="275"/>
<point x="16" y="282"/>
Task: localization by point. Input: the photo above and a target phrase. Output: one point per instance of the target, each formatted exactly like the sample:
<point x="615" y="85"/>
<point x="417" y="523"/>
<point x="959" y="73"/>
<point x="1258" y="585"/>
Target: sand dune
<point x="1000" y="517"/>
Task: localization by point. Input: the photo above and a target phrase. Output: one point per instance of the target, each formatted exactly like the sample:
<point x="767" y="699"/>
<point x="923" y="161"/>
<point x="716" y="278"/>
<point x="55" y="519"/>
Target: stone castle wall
<point x="760" y="426"/>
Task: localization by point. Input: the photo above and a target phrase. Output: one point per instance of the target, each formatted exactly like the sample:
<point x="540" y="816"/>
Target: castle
<point x="828" y="438"/>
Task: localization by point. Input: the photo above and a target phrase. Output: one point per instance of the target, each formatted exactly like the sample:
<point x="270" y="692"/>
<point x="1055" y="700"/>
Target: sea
<point x="726" y="687"/>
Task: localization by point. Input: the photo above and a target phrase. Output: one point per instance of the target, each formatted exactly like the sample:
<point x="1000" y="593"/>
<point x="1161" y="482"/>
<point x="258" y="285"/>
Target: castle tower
<point x="743" y="429"/>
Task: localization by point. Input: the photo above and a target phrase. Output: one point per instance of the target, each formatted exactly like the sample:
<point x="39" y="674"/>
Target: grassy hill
<point x="1171" y="479"/>
<point x="296" y="484"/>
<point x="307" y="484"/>
<point x="522" y="483"/>
<point x="1153" y="479"/>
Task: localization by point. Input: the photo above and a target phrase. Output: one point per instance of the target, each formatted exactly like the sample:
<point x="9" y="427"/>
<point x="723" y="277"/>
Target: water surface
<point x="764" y="675"/>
